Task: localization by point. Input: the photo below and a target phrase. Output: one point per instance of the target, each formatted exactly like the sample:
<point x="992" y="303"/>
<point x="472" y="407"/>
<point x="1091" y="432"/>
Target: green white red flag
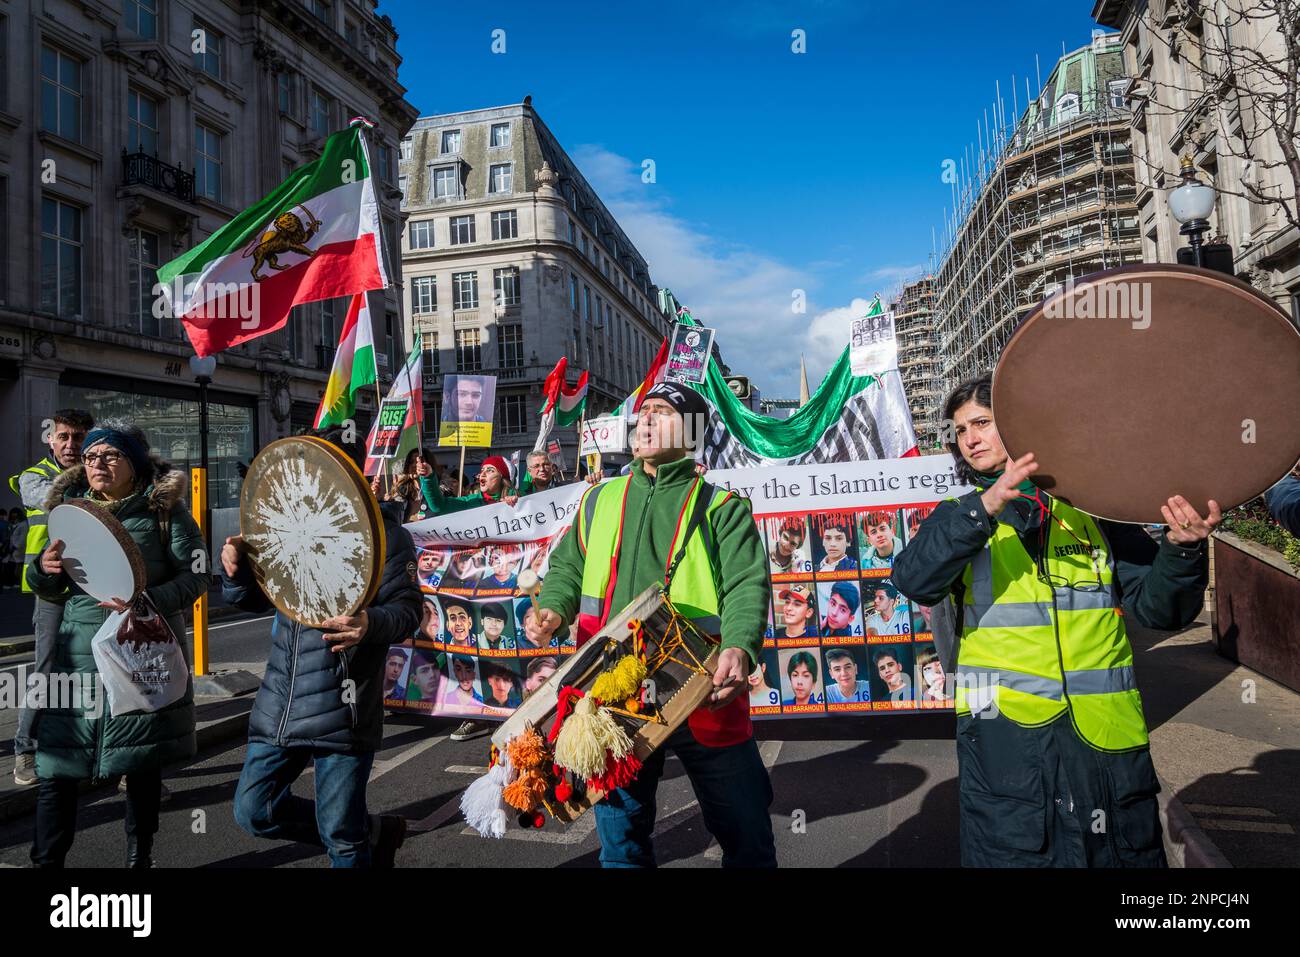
<point x="316" y="236"/>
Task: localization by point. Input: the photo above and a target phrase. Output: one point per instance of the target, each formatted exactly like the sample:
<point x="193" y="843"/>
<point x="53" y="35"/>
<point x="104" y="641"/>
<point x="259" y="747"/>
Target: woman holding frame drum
<point x="79" y="742"/>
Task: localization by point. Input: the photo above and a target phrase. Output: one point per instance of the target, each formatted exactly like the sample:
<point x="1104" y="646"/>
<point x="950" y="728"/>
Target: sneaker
<point x="25" y="770"/>
<point x="392" y="834"/>
<point x="470" y="729"/>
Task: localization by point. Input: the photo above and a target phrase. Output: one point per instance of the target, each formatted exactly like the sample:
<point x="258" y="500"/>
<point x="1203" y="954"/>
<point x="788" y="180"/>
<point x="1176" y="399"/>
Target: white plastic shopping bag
<point x="140" y="662"/>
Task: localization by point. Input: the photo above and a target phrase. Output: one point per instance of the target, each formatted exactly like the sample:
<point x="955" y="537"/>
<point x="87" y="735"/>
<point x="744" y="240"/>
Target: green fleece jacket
<point x="440" y="504"/>
<point x="649" y="523"/>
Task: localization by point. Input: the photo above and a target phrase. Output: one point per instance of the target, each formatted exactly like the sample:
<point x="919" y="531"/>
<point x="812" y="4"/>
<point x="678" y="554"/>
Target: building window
<point x="386" y="162"/>
<point x="391" y="335"/>
<point x="469" y="351"/>
<point x="584" y="243"/>
<point x="462" y="230"/>
<point x="424" y="294"/>
<point x="500" y="135"/>
<point x="401" y="188"/>
<point x="573" y="293"/>
<point x="60" y="94"/>
<point x="512" y="415"/>
<point x="207" y="162"/>
<point x="141" y="17"/>
<point x="1117" y="89"/>
<point x="500" y="178"/>
<point x="421" y="234"/>
<point x="284" y="91"/>
<point x="329" y="334"/>
<point x="320" y="9"/>
<point x="208" y="55"/>
<point x="505" y="225"/>
<point x="60" y="258"/>
<point x="432" y="364"/>
<point x="451" y="141"/>
<point x="319" y="116"/>
<point x="586" y="302"/>
<point x="464" y="290"/>
<point x="573" y="232"/>
<point x="505" y="286"/>
<point x="406" y="148"/>
<point x="142" y="272"/>
<point x="510" y="347"/>
<point x="141" y="123"/>
<point x="1067" y="108"/>
<point x="352" y="35"/>
<point x="444" y="182"/>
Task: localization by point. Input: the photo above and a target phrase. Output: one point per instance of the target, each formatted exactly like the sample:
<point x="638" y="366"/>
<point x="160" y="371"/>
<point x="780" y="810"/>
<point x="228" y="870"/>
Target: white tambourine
<point x="99" y="554"/>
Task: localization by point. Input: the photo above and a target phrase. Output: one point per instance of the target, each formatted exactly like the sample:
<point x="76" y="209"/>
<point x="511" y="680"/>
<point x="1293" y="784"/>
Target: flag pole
<point x="460" y="473"/>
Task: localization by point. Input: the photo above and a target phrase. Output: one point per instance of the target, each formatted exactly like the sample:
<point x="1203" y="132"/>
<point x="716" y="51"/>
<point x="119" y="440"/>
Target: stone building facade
<point x="129" y="132"/>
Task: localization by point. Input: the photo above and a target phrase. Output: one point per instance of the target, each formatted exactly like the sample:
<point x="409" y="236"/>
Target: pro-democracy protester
<point x="1051" y="737"/>
<point x="75" y="743"/>
<point x="321" y="703"/>
<point x="494" y="485"/>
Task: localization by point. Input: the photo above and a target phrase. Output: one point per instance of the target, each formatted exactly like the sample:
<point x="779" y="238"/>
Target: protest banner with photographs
<point x="688" y="354"/>
<point x="873" y="348"/>
<point x="468" y="402"/>
<point x="840" y="638"/>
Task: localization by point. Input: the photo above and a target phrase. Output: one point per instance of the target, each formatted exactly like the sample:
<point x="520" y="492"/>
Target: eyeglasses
<point x="108" y="459"/>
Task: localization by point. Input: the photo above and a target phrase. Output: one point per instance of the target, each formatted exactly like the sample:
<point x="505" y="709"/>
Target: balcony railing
<point x="141" y="169"/>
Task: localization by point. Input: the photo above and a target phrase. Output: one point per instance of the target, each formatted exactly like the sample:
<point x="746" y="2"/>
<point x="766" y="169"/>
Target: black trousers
<point x="56" y="814"/>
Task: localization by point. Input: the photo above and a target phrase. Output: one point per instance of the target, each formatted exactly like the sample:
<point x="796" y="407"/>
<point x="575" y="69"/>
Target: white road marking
<point x="1229" y="809"/>
<point x="465" y="769"/>
<point x="1264" y="827"/>
<point x="380" y="768"/>
<point x="232" y="624"/>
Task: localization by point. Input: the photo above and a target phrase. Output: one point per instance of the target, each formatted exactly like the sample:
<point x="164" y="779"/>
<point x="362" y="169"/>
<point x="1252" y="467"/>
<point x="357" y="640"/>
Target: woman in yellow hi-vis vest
<point x="1054" y="764"/>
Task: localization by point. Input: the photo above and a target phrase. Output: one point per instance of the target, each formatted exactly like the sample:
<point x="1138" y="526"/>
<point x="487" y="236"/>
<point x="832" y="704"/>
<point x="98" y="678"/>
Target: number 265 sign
<point x="607" y="433"/>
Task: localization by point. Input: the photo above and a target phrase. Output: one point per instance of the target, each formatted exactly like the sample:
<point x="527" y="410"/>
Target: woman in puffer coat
<point x="75" y="743"/>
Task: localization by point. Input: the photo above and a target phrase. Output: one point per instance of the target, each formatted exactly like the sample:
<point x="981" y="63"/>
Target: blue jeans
<point x="731" y="785"/>
<point x="336" y="820"/>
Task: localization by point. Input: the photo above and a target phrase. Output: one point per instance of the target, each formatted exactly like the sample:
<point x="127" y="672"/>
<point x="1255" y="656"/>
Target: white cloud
<point x="828" y="334"/>
<point x="744" y="293"/>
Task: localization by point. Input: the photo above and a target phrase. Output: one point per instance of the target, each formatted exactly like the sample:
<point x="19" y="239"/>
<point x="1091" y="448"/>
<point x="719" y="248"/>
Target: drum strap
<point x="698" y="515"/>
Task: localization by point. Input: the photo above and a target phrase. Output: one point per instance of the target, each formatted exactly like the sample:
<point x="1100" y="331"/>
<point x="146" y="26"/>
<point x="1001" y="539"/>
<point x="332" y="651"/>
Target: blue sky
<point x="775" y="171"/>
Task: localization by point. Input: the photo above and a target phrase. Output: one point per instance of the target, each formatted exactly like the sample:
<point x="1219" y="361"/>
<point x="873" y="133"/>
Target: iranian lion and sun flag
<point x="317" y="236"/>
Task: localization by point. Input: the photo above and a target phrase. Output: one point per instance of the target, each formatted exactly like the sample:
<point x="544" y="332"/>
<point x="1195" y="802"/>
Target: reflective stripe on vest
<point x="1042" y="647"/>
<point x="694" y="590"/>
<point x="37" y="532"/>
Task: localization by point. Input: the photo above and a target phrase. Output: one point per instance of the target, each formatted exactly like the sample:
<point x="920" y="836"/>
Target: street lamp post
<point x="1191" y="204"/>
<point x="203" y="368"/>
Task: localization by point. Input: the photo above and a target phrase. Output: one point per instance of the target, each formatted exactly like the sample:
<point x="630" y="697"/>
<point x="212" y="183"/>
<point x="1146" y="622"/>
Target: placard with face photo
<point x="801" y="681"/>
<point x="841" y="607"/>
<point x="921" y="626"/>
<point x="891" y="675"/>
<point x="886" y="611"/>
<point x="501" y="684"/>
<point x="397" y="671"/>
<point x="765" y="685"/>
<point x="930" y="681"/>
<point x="430" y="564"/>
<point x="789" y="552"/>
<point x="463" y="573"/>
<point x="847" y="685"/>
<point x="496" y="628"/>
<point x="882" y="537"/>
<point x="794" y="614"/>
<point x="425" y="683"/>
<point x="912" y="519"/>
<point x="461" y="624"/>
<point x="432" y="631"/>
<point x="834" y="545"/>
<point x="462" y="694"/>
<point x="537" y="557"/>
<point x="501" y="579"/>
<point x="537" y="671"/>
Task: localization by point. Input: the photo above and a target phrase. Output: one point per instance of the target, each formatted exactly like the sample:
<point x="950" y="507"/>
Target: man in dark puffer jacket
<point x="321" y="703"/>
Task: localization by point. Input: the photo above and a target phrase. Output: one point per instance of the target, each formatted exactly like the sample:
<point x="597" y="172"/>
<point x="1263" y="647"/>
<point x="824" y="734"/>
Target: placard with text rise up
<point x="838" y="638"/>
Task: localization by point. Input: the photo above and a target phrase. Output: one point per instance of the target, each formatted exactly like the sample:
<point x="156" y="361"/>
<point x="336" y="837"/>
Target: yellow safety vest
<point x="694" y="588"/>
<point x="1039" y="648"/>
<point x="37" y="533"/>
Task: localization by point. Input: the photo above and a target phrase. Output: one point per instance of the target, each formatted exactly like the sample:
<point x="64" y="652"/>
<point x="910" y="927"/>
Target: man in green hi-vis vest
<point x="63" y="432"/>
<point x="627" y="534"/>
<point x="1054" y="765"/>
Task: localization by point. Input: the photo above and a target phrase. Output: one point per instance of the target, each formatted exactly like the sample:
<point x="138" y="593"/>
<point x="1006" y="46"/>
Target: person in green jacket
<point x="493" y="486"/>
<point x="716" y="746"/>
<point x="79" y="742"/>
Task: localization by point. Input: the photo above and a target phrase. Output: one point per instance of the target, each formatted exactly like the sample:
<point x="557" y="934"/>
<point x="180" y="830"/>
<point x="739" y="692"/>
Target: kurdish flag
<point x="561" y="405"/>
<point x="354" y="366"/>
<point x="316" y="236"/>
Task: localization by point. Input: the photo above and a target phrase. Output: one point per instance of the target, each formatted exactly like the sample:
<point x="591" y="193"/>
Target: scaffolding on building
<point x="918" y="356"/>
<point x="1045" y="199"/>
